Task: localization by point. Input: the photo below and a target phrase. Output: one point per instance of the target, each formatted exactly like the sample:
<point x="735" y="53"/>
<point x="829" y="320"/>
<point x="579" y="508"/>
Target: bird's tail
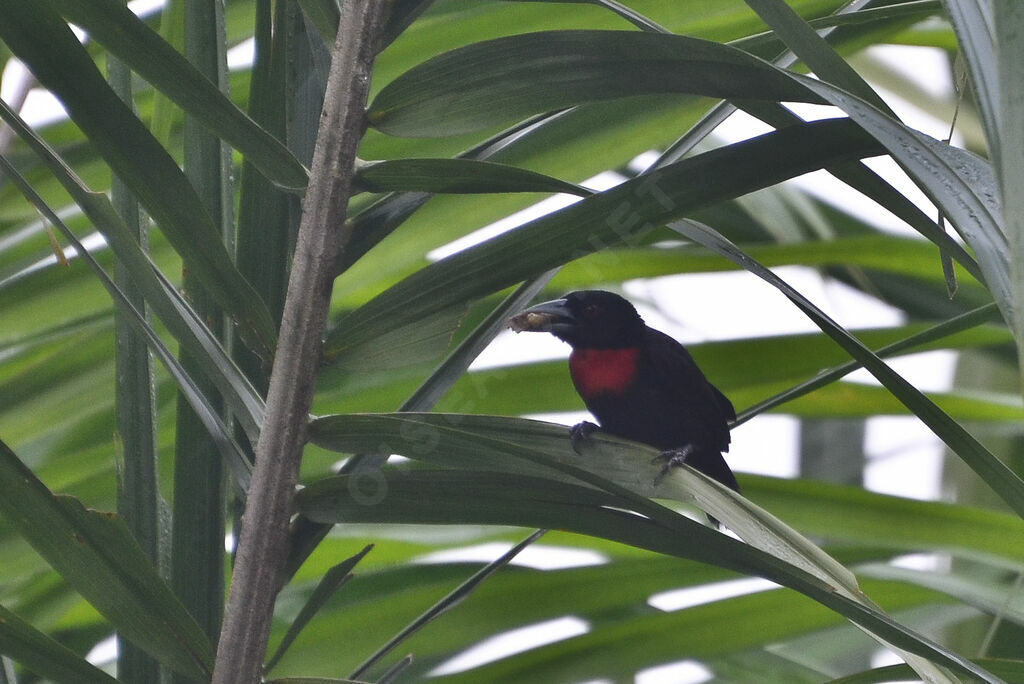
<point x="712" y="463"/>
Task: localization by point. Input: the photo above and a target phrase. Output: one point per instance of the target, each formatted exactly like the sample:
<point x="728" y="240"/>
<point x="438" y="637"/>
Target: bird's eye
<point x="591" y="310"/>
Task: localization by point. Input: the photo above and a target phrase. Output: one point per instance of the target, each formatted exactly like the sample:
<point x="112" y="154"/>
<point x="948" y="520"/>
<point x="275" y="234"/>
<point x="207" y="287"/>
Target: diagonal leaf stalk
<point x="1013" y="595"/>
<point x="821" y="58"/>
<point x="1008" y="670"/>
<point x="392" y="673"/>
<point x="814" y="51"/>
<point x="263" y="539"/>
<point x="995" y="473"/>
<point x="723" y="110"/>
<point x="959" y="183"/>
<point x="454" y="598"/>
<point x="332" y="580"/>
<point x="827" y="65"/>
<point x="630" y="15"/>
<point x="937" y="332"/>
<point x="855" y="174"/>
<point x="860" y="177"/>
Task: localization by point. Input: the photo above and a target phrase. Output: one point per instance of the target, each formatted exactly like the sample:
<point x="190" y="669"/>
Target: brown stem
<point x="263" y="543"/>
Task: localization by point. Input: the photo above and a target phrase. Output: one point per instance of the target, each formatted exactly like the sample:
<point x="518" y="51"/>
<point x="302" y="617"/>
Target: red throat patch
<point x="601" y="371"/>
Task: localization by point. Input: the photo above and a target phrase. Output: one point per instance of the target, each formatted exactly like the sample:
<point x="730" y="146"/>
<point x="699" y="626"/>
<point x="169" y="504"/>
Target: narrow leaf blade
<point x="114" y="25"/>
<point x="43" y="655"/>
<point x="457" y="176"/>
<point x="497" y="81"/>
<point x="46" y="44"/>
<point x="96" y="554"/>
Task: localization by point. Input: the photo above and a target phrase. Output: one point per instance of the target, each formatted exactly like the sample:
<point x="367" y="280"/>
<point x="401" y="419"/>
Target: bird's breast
<point x="602" y="371"/>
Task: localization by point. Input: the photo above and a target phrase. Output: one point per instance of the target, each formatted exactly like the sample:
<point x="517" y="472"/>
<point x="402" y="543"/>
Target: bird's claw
<point x="581" y="432"/>
<point x="673" y="458"/>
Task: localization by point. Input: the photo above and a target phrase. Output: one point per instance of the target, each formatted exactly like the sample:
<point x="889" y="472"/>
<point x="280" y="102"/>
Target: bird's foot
<point x="673" y="458"/>
<point x="581" y="432"/>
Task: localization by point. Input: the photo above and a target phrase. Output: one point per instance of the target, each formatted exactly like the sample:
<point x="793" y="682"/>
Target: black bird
<point x="638" y="382"/>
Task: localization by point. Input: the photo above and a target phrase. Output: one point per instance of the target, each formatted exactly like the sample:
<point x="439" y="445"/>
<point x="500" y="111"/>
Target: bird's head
<point x="587" y="319"/>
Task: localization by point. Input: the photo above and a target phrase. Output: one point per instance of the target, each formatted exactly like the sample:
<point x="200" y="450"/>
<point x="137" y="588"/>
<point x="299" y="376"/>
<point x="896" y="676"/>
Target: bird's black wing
<point x="702" y="411"/>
